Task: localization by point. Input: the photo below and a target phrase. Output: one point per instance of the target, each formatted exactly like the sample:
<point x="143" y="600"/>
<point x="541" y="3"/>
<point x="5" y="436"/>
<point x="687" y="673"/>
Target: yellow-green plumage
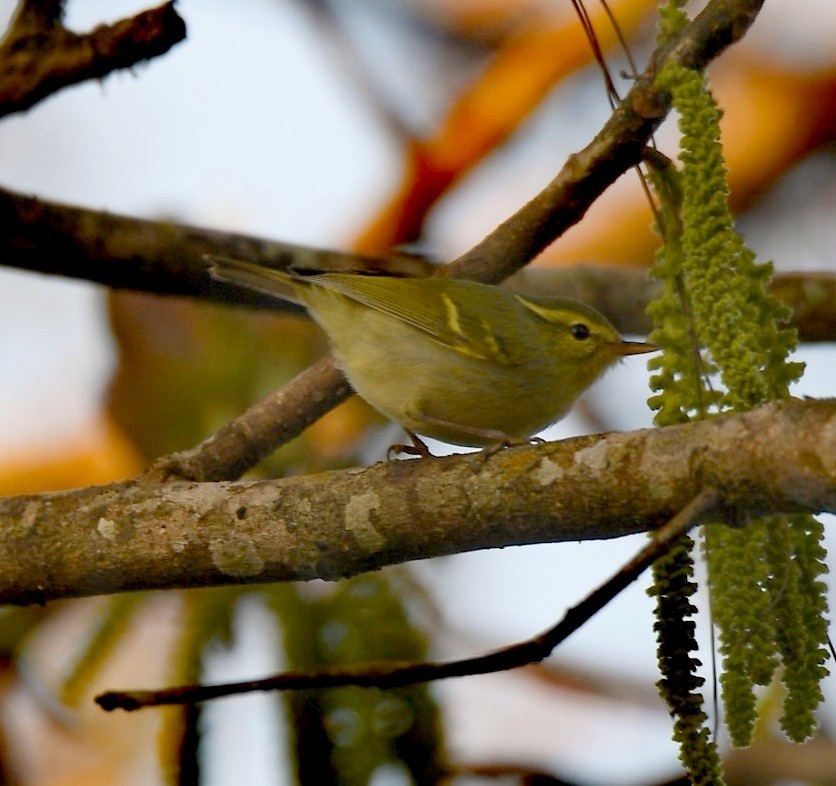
<point x="466" y="363"/>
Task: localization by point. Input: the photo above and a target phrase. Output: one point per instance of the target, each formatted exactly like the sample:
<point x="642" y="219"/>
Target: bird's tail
<point x="259" y="278"/>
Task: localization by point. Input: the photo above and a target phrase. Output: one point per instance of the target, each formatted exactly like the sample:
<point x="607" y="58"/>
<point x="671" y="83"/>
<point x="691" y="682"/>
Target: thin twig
<point x="592" y="39"/>
<point x="396" y="675"/>
<point x="622" y="41"/>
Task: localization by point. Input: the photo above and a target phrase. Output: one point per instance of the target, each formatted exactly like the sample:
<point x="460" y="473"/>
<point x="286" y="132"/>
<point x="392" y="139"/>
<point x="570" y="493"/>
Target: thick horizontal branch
<point x="396" y="675"/>
<point x="39" y="56"/>
<point x="143" y="535"/>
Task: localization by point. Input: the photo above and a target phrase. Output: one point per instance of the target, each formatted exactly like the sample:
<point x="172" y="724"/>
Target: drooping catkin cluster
<point x="725" y="348"/>
<point x="675" y="630"/>
<point x="739" y="323"/>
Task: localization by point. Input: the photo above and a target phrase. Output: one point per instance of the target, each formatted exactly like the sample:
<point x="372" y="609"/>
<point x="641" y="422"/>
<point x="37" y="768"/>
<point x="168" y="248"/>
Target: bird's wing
<point x="460" y="315"/>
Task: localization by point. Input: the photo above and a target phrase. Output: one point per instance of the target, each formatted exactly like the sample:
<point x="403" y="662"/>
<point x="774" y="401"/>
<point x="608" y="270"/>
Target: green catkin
<point x="678" y="372"/>
<point x="768" y="600"/>
<point x="802" y="609"/>
<point x="672" y="19"/>
<point x="738" y="604"/>
<point x="677" y="377"/>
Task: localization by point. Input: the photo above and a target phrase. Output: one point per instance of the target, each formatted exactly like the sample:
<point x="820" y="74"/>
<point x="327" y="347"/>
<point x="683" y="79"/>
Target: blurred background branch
<point x="167" y="258"/>
<point x="39" y="56"/>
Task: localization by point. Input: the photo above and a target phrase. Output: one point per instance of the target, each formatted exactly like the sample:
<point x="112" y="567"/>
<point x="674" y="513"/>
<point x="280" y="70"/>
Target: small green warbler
<point x="466" y="363"/>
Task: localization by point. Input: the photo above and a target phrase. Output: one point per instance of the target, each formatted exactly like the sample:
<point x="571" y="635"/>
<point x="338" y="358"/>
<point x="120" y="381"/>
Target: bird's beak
<point x="634" y="348"/>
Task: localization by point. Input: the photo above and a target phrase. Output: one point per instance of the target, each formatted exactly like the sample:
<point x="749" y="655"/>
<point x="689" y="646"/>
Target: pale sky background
<point x="249" y="126"/>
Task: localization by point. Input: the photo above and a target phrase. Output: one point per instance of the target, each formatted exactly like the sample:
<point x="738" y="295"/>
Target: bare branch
<point x="39" y="56"/>
<point x="397" y="675"/>
<point x="142" y="535"/>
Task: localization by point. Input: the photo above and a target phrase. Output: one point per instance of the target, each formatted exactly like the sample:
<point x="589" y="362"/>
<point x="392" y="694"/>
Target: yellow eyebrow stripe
<point x="549" y="314"/>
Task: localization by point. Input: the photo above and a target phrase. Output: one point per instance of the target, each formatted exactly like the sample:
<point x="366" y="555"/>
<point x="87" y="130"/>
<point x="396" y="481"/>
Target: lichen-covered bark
<point x="140" y="534"/>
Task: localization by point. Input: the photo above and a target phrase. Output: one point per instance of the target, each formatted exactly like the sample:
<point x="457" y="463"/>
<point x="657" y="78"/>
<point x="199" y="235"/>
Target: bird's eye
<point x="580" y="331"/>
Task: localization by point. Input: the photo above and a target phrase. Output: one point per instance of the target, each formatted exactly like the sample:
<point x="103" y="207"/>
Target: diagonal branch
<point x="397" y="675"/>
<point x="140" y="534"/>
<point x="39" y="56"/>
<point x="251" y="437"/>
<point x="617" y="148"/>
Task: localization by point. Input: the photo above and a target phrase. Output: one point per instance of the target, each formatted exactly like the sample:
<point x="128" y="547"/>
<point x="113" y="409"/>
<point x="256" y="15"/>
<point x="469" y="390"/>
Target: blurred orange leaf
<point x="101" y="453"/>
<point x="526" y="67"/>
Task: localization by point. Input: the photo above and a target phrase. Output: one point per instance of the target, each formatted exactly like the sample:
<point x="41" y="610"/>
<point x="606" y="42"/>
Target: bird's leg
<point x="417" y="448"/>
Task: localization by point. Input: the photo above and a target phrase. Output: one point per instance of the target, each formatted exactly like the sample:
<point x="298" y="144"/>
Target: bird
<point x="467" y="363"/>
